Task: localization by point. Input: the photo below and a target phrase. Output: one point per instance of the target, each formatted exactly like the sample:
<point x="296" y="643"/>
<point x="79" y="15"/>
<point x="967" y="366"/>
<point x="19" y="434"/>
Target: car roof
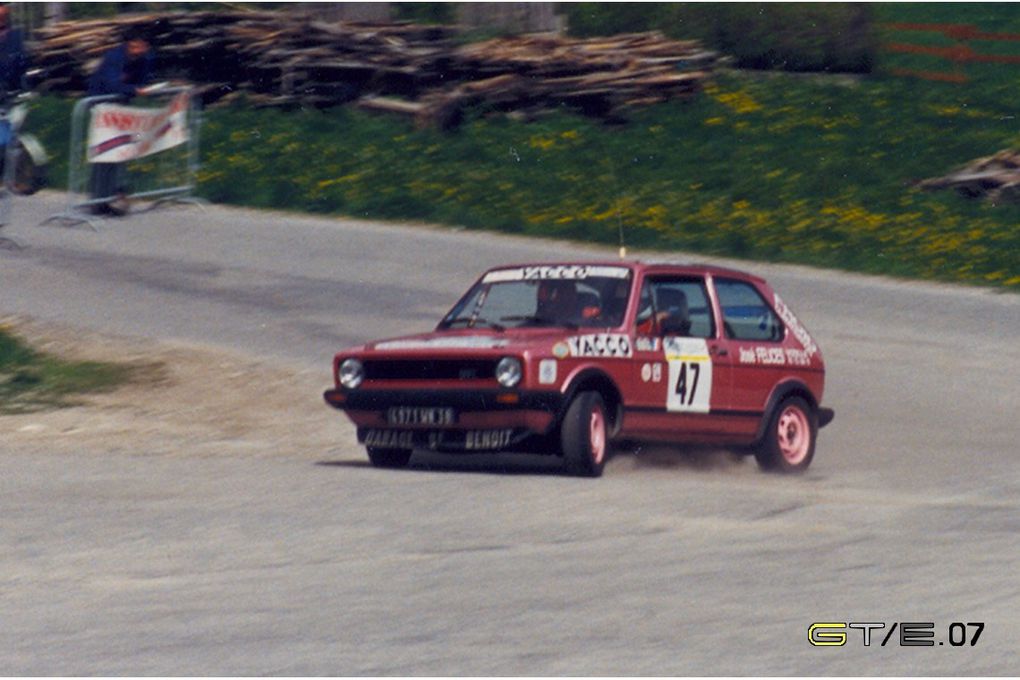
<point x="663" y="267"/>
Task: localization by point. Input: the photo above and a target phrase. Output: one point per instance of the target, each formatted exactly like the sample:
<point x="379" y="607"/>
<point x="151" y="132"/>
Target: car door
<point x="753" y="337"/>
<point x="676" y="384"/>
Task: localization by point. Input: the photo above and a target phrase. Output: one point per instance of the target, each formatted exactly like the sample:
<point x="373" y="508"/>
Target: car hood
<point x="462" y="341"/>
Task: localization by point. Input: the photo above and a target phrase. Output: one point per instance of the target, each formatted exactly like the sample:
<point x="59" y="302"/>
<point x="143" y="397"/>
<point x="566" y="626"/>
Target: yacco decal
<point x="690" y="375"/>
<point x="600" y="345"/>
<point x="466" y="342"/>
<point x="569" y="271"/>
<point x="799" y="332"/>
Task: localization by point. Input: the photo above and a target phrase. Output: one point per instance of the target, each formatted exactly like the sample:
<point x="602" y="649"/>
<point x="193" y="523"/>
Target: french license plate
<point x="439" y="440"/>
<point x="419" y="415"/>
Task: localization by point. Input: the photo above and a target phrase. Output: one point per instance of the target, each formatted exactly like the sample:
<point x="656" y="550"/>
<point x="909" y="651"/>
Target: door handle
<point x="718" y="351"/>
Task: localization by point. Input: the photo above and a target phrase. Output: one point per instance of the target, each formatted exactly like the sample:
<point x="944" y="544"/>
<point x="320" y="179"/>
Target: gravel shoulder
<point x="186" y="399"/>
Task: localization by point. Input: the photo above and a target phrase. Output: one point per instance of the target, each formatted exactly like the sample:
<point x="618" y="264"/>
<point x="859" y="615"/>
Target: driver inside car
<point x="669" y="314"/>
<point x="560" y="301"/>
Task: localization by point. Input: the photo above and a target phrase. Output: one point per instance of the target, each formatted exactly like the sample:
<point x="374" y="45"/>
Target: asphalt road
<point x="311" y="562"/>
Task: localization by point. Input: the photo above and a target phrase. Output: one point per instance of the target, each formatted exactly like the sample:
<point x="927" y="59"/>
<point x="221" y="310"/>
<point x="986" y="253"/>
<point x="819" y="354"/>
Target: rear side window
<point x="746" y="315"/>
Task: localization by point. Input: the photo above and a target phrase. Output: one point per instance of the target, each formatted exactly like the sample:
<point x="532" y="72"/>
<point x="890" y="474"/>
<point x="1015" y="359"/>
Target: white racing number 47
<point x="690" y="375"/>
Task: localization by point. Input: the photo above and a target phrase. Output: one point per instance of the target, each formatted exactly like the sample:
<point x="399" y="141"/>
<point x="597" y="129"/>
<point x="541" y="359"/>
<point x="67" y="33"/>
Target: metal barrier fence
<point x="167" y="176"/>
<point x="10" y="157"/>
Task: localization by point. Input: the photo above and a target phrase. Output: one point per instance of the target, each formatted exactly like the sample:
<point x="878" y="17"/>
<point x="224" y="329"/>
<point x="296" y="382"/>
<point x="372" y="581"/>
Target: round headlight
<point x="508" y="371"/>
<point x="352" y="372"/>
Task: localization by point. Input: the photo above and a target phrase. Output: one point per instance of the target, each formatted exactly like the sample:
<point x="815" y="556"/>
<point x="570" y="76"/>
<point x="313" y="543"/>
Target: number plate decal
<point x="690" y="375"/>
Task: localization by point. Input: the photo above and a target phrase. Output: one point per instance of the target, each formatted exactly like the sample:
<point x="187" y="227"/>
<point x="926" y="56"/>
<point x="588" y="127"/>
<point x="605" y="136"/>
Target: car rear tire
<point x="584" y="435"/>
<point x="389" y="458"/>
<point x="789" y="442"/>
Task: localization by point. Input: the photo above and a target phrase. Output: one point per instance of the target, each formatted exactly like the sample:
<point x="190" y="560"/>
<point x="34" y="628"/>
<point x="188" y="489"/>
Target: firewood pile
<point x="995" y="177"/>
<point x="601" y="77"/>
<point x="276" y="58"/>
<point x="289" y="59"/>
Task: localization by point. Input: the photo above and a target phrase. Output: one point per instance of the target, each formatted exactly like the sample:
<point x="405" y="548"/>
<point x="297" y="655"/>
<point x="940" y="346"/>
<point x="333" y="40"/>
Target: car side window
<point x="675" y="306"/>
<point x="684" y="306"/>
<point x="746" y="315"/>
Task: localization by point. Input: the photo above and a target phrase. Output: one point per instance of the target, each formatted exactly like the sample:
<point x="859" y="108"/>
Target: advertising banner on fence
<point x="120" y="133"/>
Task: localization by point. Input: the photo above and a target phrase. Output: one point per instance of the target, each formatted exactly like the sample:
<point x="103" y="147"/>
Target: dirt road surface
<point x="217" y="518"/>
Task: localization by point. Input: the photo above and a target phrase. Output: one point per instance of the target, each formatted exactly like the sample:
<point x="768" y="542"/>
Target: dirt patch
<point x="184" y="400"/>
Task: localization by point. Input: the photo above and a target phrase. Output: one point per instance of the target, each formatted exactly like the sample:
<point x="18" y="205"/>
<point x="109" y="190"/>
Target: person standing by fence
<point x="124" y="70"/>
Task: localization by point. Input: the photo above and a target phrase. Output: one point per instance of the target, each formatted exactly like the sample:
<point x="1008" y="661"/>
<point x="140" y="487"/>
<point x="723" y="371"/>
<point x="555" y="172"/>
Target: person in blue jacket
<point x="124" y="70"/>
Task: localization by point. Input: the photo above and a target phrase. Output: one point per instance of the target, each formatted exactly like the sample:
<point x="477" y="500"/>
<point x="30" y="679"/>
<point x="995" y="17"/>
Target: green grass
<point x="32" y="381"/>
<point x="778" y="168"/>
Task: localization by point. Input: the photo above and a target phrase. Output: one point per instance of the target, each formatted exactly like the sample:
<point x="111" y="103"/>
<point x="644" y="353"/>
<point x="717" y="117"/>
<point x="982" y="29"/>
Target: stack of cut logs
<point x="995" y="177"/>
<point x="285" y="58"/>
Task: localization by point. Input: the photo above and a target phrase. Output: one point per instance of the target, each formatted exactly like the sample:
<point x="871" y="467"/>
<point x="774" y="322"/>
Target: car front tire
<point x="789" y="442"/>
<point x="584" y="435"/>
<point x="389" y="458"/>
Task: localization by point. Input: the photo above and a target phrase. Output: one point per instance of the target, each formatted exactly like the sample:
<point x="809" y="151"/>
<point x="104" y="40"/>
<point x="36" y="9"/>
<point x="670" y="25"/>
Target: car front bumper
<point x="479" y="420"/>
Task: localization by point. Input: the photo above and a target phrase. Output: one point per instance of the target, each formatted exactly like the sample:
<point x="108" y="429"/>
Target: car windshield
<point x="572" y="296"/>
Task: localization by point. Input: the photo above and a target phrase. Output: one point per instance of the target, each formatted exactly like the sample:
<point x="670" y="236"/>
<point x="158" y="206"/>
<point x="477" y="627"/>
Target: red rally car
<point x="567" y="358"/>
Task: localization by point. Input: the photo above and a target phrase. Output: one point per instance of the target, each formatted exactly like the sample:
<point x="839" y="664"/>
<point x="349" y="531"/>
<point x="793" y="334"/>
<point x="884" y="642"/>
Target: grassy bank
<point x="31" y="381"/>
<point x="777" y="167"/>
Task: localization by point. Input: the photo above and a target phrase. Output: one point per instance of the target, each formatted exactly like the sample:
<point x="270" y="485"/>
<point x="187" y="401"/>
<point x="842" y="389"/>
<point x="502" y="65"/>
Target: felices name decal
<point x="774" y="356"/>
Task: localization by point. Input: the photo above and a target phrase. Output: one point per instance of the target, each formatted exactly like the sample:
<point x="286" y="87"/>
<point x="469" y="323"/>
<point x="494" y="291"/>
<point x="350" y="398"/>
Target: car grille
<point x="430" y="369"/>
